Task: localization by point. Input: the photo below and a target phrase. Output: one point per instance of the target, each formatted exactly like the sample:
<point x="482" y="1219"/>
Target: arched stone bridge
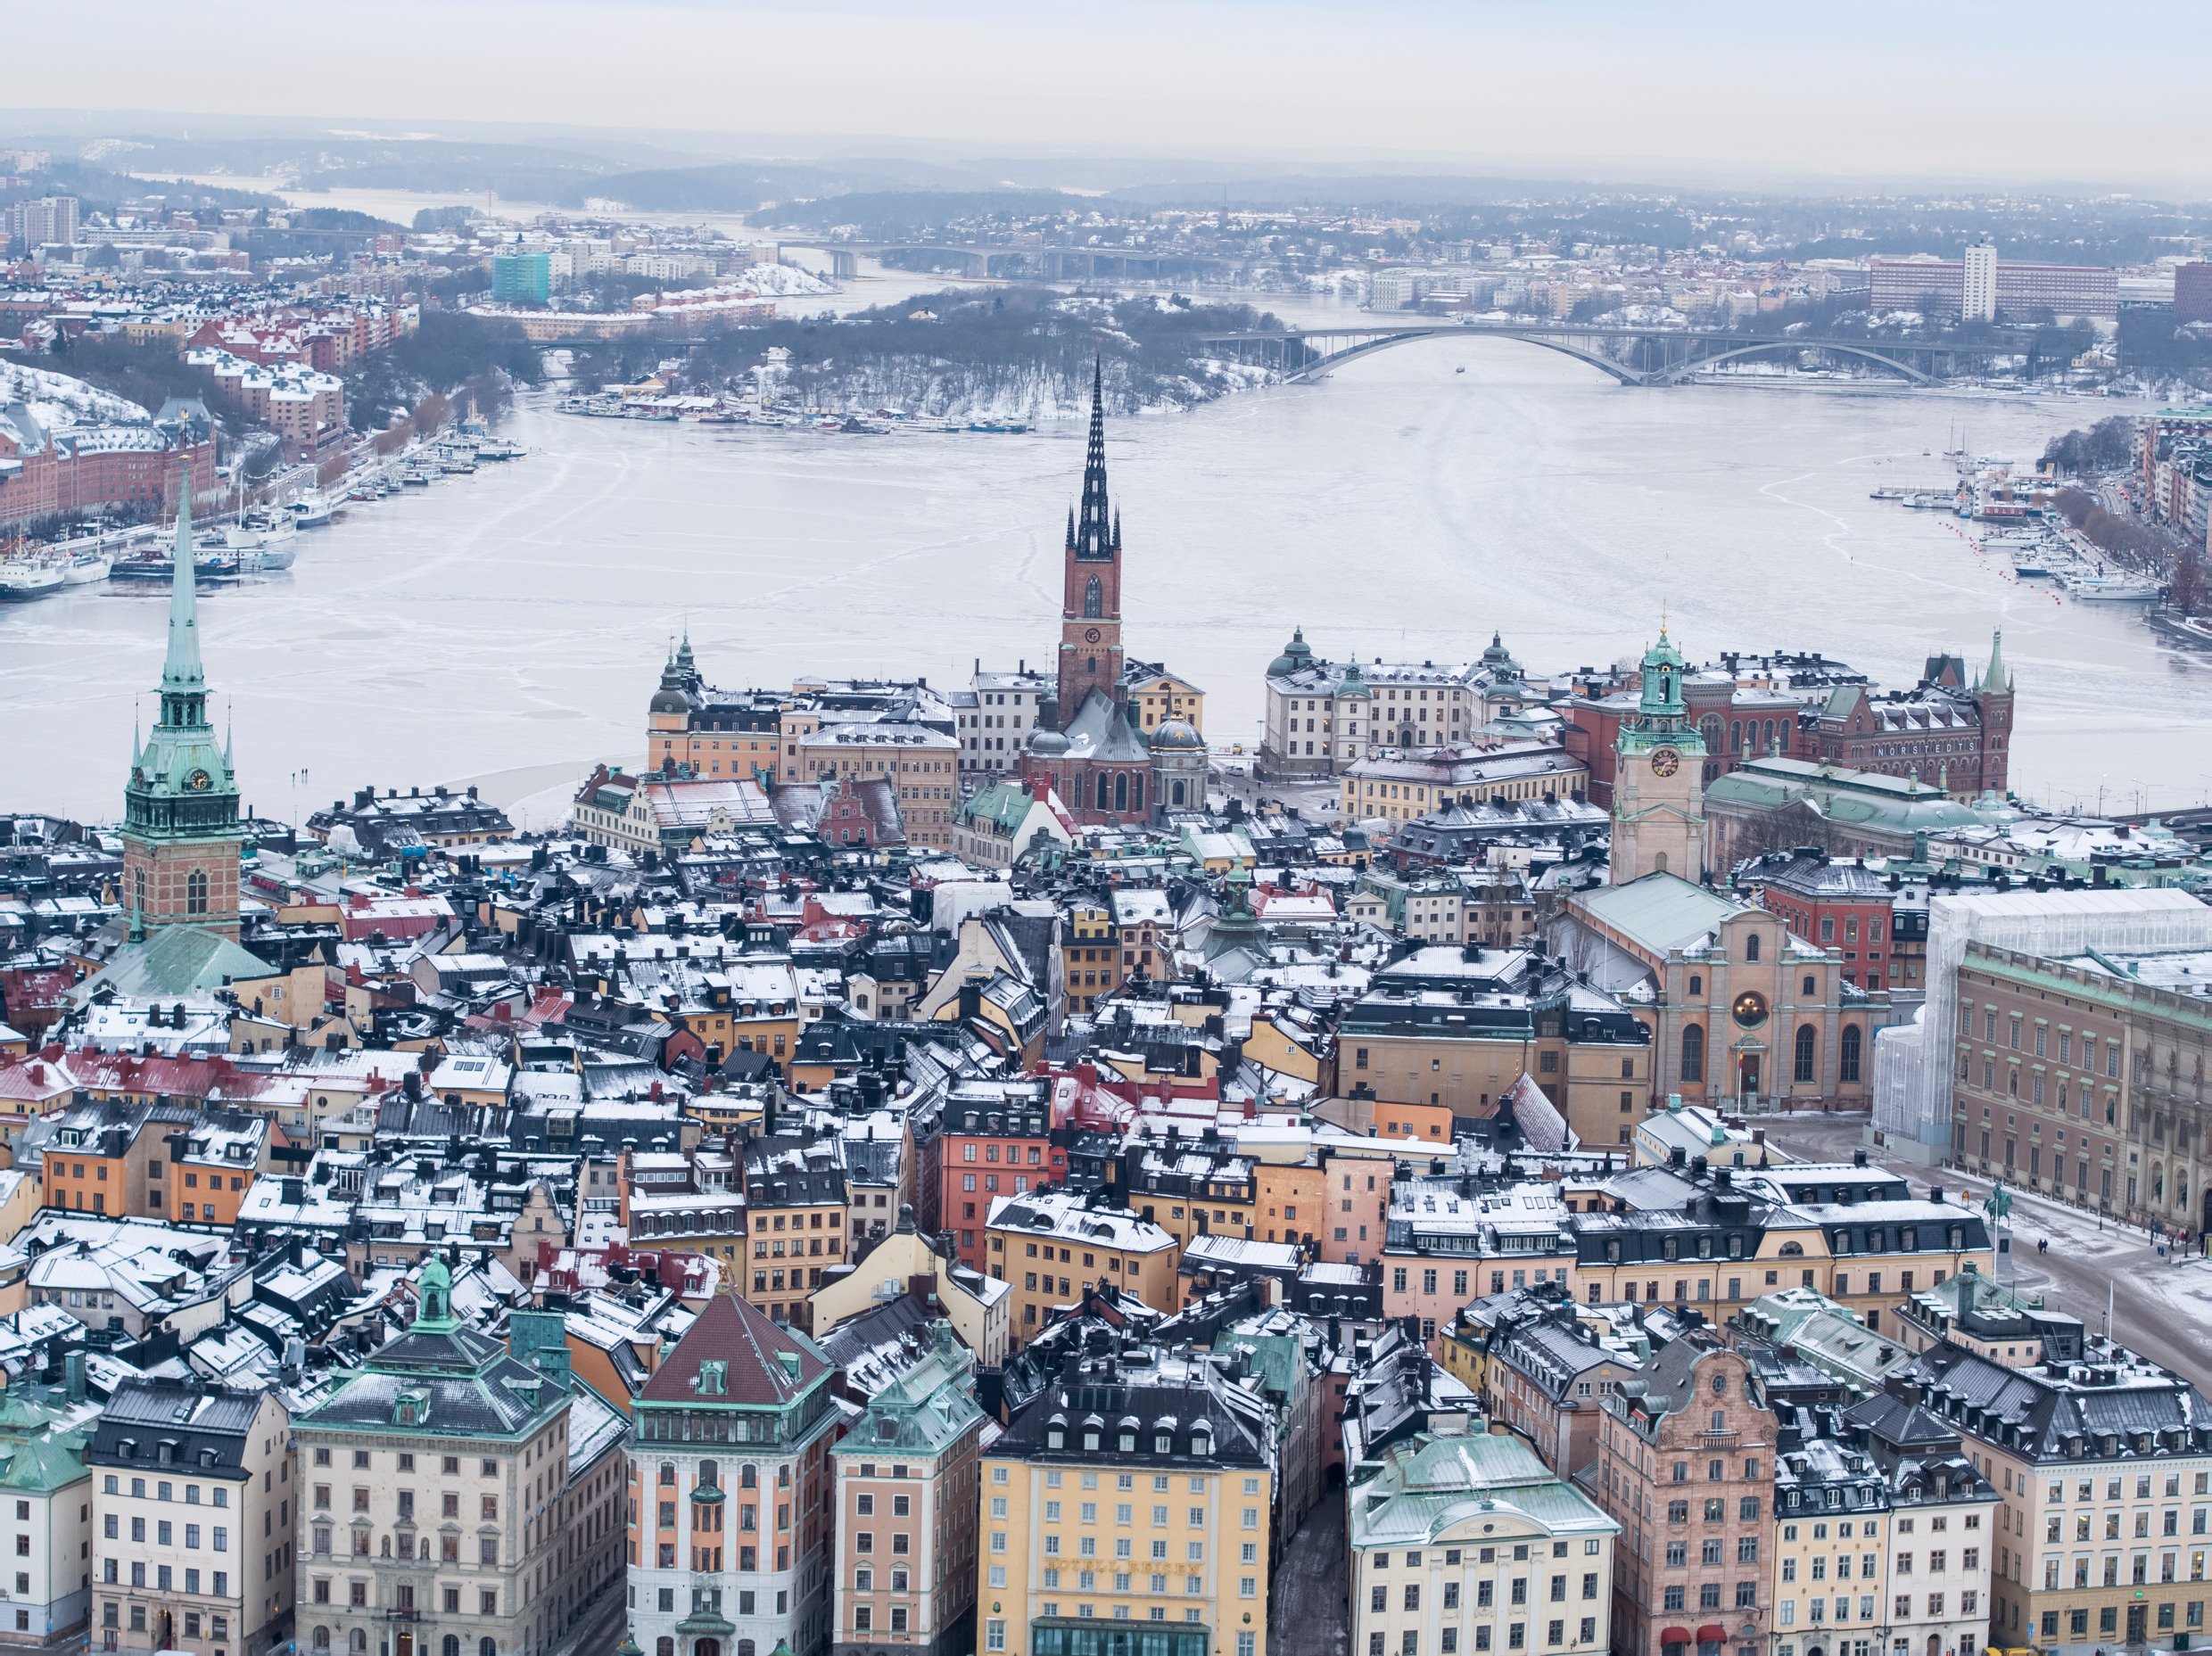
<point x="1632" y="356"/>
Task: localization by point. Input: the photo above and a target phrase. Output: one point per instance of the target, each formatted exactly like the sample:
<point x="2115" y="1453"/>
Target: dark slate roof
<point x="2045" y="1410"/>
<point x="781" y="1159"/>
<point x="1904" y="1426"/>
<point x="195" y="1419"/>
<point x="730" y="1330"/>
<point x="1105" y="1396"/>
<point x="474" y="1386"/>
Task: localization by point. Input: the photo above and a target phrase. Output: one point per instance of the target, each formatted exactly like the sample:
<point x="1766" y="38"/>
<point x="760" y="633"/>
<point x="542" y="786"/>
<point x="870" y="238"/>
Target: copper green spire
<point x="1996" y="678"/>
<point x="181" y="673"/>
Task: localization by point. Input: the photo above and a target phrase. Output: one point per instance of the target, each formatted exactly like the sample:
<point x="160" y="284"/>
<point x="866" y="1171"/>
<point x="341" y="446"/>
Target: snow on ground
<point x="778" y="281"/>
<point x="2182" y="1283"/>
<point x="1644" y="317"/>
<point x="57" y="400"/>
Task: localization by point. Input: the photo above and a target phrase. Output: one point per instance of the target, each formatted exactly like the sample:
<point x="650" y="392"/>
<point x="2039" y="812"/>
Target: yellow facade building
<point x="1125" y="1513"/>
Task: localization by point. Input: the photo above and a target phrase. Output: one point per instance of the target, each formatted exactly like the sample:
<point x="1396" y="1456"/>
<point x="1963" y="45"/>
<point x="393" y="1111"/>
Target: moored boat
<point x="86" y="568"/>
<point x="23" y="578"/>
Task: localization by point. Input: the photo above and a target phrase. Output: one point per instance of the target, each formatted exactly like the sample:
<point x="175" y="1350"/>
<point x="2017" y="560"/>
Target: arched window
<point x="707" y="1647"/>
<point x="1697" y="984"/>
<point x="321" y="1641"/>
<point x="1804" y="1052"/>
<point x="1136" y="792"/>
<point x="357" y="1640"/>
<point x="744" y="1647"/>
<point x="749" y="1476"/>
<point x="1847" y="1054"/>
<point x="1121" y="790"/>
<point x="196" y="892"/>
<point x="1104" y="790"/>
<point x="452" y="1644"/>
<point x="1736" y="737"/>
<point x="668" y="1474"/>
<point x="1709" y="729"/>
<point x="1093" y="600"/>
<point x="1694" y="1052"/>
<point x="1751" y="946"/>
<point x="1178" y="793"/>
<point x="1792" y="1250"/>
<point x="709" y="1474"/>
<point x="1811" y="988"/>
<point x="663" y="1646"/>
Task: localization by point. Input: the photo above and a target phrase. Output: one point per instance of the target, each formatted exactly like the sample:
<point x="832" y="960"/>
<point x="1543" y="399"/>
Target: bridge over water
<point x="1632" y="356"/>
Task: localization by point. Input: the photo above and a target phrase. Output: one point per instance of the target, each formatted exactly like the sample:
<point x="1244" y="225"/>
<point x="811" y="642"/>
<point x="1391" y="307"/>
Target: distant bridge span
<point x="1631" y="356"/>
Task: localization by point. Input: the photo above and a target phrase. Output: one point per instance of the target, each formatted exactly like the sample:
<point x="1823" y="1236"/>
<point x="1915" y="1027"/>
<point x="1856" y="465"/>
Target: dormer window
<point x="713" y="1379"/>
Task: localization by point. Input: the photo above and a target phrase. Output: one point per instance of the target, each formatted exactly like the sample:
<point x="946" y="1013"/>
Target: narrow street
<point x="1308" y="1614"/>
<point x="2162" y="1308"/>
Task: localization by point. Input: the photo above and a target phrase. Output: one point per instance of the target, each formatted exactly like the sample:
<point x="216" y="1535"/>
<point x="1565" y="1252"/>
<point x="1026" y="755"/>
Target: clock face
<point x="1749" y="1009"/>
<point x="1665" y="762"/>
<point x="197" y="781"/>
<point x="1090" y="635"/>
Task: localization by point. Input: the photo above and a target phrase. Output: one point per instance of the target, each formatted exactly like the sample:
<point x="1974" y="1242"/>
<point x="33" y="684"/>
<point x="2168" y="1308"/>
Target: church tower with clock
<point x="1090" y="615"/>
<point x="181" y="835"/>
<point x="1658" y="820"/>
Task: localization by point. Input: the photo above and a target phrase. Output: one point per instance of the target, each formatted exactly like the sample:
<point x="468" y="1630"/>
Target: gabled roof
<point x="1101" y="733"/>
<point x="741" y="1335"/>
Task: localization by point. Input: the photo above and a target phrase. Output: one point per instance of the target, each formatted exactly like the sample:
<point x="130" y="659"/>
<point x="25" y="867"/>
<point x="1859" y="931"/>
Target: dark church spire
<point x="1094" y="537"/>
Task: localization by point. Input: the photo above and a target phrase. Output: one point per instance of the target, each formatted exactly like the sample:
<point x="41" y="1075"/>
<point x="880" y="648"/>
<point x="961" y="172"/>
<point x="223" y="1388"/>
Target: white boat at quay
<point x="23" y="578"/>
<point x="87" y="567"/>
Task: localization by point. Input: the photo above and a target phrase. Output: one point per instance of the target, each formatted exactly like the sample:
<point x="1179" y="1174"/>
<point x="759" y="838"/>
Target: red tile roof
<point x="732" y="1330"/>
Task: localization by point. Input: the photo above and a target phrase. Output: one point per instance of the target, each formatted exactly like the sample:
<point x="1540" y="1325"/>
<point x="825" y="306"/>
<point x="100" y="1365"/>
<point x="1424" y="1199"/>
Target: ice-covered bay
<point x="514" y="622"/>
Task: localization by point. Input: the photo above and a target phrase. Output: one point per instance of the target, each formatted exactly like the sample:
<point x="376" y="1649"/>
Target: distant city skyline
<point x="1883" y="96"/>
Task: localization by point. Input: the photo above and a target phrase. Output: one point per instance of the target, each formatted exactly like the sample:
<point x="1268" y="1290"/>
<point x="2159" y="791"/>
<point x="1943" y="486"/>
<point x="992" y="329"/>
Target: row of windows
<point x="1516" y="1638"/>
<point x="164" y="1534"/>
<point x="1378" y="1597"/>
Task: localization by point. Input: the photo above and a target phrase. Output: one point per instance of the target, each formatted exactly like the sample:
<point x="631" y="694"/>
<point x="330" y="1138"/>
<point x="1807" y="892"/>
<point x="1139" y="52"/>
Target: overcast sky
<point x="2010" y="91"/>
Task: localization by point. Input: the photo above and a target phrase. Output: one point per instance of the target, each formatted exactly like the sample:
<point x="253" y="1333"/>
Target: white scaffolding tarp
<point x="1913" y="1062"/>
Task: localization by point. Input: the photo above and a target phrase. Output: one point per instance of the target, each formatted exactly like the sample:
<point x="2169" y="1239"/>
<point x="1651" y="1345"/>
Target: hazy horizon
<point x="1973" y="95"/>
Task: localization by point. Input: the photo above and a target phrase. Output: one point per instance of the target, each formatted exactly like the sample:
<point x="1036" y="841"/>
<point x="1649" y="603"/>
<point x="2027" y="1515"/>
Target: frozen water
<point x="515" y="621"/>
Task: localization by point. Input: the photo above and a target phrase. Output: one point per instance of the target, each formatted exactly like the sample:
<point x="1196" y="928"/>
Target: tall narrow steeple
<point x="1094" y="536"/>
<point x="180" y="807"/>
<point x="1996" y="678"/>
<point x="1090" y="618"/>
<point x="184" y="680"/>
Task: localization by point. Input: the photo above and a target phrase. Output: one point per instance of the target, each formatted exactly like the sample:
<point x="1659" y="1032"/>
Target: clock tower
<point x="1658" y="817"/>
<point x="180" y="808"/>
<point x="1090" y="616"/>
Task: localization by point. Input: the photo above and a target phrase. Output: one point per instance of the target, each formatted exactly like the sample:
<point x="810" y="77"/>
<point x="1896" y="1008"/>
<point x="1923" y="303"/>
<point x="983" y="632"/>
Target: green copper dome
<point x="1296" y="655"/>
